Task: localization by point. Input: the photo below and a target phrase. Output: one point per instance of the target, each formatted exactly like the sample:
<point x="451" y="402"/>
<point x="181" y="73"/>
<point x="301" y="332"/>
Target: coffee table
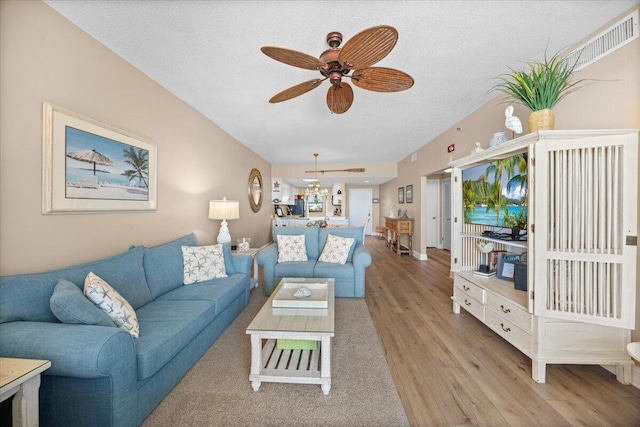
<point x="269" y="364"/>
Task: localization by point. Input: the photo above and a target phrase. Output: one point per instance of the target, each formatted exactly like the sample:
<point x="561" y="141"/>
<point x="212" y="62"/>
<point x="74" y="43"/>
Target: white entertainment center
<point x="581" y="250"/>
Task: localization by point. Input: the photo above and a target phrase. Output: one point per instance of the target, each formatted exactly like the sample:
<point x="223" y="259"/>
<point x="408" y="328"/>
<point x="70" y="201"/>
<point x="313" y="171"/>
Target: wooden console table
<point x="396" y="227"/>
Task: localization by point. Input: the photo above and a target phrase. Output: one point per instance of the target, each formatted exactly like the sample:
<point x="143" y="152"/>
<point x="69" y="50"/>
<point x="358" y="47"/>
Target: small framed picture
<point x="279" y="211"/>
<point x="401" y="195"/>
<point x="409" y="193"/>
<point x="506" y="268"/>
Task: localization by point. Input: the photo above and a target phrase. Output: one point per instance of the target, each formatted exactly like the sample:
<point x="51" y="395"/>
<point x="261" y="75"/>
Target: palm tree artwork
<point x="139" y="163"/>
<point x="496" y="201"/>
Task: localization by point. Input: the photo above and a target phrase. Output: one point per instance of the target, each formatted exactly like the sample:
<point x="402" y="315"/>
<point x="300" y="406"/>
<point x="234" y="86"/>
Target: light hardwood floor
<point x="451" y="370"/>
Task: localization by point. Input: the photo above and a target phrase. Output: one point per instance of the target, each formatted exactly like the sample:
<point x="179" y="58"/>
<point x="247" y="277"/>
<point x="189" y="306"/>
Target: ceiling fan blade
<point x="339" y="170"/>
<point x="368" y="47"/>
<point x="339" y="98"/>
<point x="296" y="90"/>
<point x="382" y="79"/>
<point x="293" y="57"/>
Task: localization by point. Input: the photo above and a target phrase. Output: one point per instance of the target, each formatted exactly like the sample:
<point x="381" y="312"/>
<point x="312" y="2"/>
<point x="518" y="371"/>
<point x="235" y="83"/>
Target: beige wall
<point x="43" y="57"/>
<point x="610" y="101"/>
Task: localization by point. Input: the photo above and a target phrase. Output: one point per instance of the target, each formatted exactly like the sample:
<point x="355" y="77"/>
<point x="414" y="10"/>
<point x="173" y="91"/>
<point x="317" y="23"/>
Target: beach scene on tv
<point x="101" y="168"/>
<point x="495" y="193"/>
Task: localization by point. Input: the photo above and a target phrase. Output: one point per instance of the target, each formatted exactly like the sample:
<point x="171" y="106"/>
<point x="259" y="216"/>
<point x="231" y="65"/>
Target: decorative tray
<point x="317" y="299"/>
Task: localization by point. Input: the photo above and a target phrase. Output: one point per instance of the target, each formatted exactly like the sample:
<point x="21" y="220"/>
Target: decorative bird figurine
<point x="485" y="247"/>
<point x="512" y="122"/>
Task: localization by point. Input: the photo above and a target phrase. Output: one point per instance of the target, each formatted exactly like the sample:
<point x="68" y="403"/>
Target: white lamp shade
<point x="224" y="209"/>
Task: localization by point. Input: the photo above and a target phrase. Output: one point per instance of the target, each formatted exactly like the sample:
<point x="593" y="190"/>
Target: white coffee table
<point x="268" y="364"/>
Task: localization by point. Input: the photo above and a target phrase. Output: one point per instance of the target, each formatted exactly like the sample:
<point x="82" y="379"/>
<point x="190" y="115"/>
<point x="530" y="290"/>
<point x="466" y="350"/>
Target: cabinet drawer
<point x="467" y="288"/>
<point x="509" y="331"/>
<point x="510" y="311"/>
<point x="472" y="305"/>
<point x="404" y="227"/>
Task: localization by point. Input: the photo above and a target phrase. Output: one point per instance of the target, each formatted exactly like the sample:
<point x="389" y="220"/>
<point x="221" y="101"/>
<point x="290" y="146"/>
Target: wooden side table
<point x="252" y="252"/>
<point x="21" y="377"/>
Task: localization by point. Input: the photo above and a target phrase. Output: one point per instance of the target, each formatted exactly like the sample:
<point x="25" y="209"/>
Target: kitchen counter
<point x="290" y="221"/>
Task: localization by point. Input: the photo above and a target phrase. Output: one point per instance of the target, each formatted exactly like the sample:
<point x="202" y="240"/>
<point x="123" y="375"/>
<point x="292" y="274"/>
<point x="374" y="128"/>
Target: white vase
<point x="498" y="138"/>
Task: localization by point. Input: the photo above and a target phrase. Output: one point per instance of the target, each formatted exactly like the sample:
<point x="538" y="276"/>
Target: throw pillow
<point x="291" y="248"/>
<point x="112" y="303"/>
<point x="69" y="305"/>
<point x="336" y="250"/>
<point x="202" y="263"/>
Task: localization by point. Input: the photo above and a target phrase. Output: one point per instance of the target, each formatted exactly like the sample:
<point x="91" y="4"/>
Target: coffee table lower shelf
<point x="269" y="364"/>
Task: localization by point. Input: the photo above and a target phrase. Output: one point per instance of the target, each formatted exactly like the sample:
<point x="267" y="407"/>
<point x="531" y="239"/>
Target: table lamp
<point x="224" y="209"/>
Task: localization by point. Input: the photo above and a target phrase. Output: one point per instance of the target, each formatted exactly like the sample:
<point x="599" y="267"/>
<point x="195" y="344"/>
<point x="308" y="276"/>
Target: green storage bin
<point x="296" y="345"/>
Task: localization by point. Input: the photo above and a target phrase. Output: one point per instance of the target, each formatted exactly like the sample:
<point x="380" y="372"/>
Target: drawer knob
<point x="467" y="303"/>
<point x="465" y="287"/>
<point x="505" y="310"/>
<point x="505" y="329"/>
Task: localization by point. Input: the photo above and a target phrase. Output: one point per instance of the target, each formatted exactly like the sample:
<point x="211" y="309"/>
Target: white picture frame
<point x="79" y="178"/>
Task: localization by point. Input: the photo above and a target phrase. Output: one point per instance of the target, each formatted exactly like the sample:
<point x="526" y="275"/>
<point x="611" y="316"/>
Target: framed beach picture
<point x="93" y="167"/>
<point x="401" y="195"/>
<point x="409" y="193"/>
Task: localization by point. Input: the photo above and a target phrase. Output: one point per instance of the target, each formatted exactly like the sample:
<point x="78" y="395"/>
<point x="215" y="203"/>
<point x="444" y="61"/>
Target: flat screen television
<point x="495" y="193"/>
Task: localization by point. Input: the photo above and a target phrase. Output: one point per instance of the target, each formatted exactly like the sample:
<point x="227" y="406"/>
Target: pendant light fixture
<point x="314" y="189"/>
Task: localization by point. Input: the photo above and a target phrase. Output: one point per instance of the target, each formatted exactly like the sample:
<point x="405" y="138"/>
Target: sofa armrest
<point x="361" y="260"/>
<point x="241" y="263"/>
<point x="361" y="256"/>
<point x="268" y="258"/>
<point x="80" y="351"/>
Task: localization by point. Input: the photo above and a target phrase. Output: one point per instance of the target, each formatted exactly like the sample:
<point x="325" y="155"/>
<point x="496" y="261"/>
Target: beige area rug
<point x="217" y="392"/>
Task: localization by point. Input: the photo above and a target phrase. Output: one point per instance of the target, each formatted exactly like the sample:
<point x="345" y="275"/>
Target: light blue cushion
<point x="310" y="238"/>
<point x="26" y="296"/>
<point x="355" y="232"/>
<point x="69" y="305"/>
<point x="294" y="269"/>
<point x="166" y="327"/>
<point x="222" y="291"/>
<point x="336" y="271"/>
<point x="163" y="265"/>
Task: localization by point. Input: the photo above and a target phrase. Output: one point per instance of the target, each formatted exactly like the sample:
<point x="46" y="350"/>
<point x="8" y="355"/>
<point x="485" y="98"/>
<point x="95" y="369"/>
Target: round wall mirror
<point x="255" y="190"/>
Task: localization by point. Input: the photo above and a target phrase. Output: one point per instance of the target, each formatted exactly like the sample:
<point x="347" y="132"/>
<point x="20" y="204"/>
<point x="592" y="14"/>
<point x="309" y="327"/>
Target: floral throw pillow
<point x="112" y="303"/>
<point x="291" y="248"/>
<point x="336" y="250"/>
<point x="202" y="263"/>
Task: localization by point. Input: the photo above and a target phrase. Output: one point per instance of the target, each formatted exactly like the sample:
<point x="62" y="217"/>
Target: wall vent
<point x="614" y="37"/>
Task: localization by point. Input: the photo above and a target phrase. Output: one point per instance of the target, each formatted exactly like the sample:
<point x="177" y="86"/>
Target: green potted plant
<point x="540" y="86"/>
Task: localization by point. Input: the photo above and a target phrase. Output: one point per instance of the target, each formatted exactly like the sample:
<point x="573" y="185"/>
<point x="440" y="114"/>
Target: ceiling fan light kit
<point x="354" y="60"/>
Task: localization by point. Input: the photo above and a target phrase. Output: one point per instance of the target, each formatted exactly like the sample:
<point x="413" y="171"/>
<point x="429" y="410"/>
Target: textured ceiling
<point x="208" y="54"/>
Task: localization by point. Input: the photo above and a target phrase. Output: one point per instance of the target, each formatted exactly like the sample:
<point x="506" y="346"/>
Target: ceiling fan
<point x="331" y="170"/>
<point x="356" y="57"/>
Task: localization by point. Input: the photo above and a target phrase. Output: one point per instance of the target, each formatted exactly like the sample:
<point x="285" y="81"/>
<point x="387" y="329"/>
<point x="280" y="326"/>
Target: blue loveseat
<point x="349" y="277"/>
<point x="101" y="375"/>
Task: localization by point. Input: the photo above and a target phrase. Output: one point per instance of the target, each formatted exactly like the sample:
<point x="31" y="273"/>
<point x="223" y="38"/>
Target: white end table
<point x="21" y="377"/>
<point x="252" y="252"/>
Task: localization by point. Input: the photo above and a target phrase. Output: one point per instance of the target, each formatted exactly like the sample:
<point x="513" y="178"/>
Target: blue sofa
<point x="349" y="277"/>
<point x="101" y="375"/>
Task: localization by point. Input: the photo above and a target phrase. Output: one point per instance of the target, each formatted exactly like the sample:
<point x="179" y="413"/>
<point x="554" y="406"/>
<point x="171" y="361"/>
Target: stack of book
<point x="486" y="274"/>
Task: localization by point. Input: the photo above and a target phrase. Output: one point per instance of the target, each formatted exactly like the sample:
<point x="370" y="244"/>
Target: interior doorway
<point x="360" y="206"/>
<point x="432" y="209"/>
<point x="446" y="214"/>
